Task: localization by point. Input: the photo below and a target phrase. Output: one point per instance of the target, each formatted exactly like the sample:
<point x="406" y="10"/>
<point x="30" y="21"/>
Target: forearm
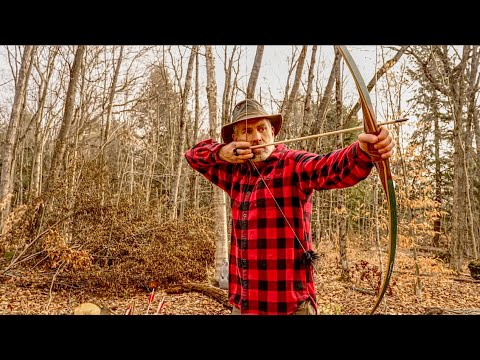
<point x="338" y="169"/>
<point x="204" y="155"/>
<point x="204" y="158"/>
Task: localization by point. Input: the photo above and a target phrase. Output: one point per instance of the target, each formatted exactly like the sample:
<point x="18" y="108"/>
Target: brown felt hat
<point x="249" y="109"/>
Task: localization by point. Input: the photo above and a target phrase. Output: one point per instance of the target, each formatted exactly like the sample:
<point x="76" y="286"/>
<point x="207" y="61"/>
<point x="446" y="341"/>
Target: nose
<point x="256" y="136"/>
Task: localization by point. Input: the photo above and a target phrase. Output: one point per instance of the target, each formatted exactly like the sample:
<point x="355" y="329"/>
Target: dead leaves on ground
<point x="21" y="294"/>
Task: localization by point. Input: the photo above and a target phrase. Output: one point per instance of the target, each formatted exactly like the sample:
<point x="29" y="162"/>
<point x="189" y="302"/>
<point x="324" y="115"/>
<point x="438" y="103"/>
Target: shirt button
<point x="245" y="284"/>
<point x="244" y="215"/>
<point x="248" y="192"/>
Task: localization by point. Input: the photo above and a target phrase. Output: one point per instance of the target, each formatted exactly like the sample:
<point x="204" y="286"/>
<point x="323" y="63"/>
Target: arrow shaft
<point x="324" y="134"/>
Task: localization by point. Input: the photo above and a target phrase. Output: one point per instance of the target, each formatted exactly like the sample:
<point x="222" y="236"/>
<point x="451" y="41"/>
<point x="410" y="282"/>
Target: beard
<point x="262" y="154"/>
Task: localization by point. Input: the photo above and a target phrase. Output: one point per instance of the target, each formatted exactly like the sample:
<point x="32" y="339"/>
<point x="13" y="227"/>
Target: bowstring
<point x="252" y="163"/>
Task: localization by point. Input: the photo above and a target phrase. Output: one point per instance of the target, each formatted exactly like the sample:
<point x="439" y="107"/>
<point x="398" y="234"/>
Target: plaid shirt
<point x="266" y="273"/>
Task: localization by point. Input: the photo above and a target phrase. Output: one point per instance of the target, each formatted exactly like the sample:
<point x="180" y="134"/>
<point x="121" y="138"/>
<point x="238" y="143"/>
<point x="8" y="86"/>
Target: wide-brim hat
<point x="246" y="110"/>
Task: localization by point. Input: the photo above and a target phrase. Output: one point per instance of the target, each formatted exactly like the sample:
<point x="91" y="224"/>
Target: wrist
<point x="220" y="153"/>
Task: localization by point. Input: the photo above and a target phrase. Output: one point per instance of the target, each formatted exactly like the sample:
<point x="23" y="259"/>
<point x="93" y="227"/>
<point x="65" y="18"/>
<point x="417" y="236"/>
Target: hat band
<point x="250" y="115"/>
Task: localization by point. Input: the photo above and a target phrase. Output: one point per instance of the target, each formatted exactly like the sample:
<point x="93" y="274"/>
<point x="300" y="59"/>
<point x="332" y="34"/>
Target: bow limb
<point x="383" y="167"/>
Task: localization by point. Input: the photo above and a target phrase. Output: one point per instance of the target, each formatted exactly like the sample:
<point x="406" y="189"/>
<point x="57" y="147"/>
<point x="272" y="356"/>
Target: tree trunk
<point x="227" y="92"/>
<point x="39" y="137"/>
<point x="194" y="174"/>
<point x="460" y="228"/>
<point x="181" y="136"/>
<point x="219" y="203"/>
<point x="252" y="82"/>
<point x="292" y="98"/>
<point x="437" y="225"/>
<point x="8" y="158"/>
<point x="322" y="110"/>
<point x="61" y="141"/>
<point x="472" y="155"/>
<point x="341" y="211"/>
<point x="307" y="110"/>
<point x="113" y="91"/>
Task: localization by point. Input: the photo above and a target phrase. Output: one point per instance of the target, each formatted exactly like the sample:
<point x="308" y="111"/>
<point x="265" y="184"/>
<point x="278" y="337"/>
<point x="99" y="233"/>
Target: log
<point x="432" y="249"/>
<point x="466" y="280"/>
<point x="361" y="290"/>
<point x="440" y="311"/>
<point x="212" y="292"/>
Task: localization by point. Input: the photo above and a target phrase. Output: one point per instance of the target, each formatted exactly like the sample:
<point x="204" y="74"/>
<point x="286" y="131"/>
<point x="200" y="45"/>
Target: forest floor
<point x="442" y="291"/>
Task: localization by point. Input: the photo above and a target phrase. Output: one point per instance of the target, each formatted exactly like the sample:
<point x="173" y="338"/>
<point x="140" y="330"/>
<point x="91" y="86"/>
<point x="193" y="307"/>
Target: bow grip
<point x="372" y="152"/>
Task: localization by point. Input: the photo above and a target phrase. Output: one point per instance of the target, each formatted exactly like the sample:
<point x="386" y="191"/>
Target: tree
<point x="181" y="134"/>
<point x="8" y="158"/>
<point x="219" y="201"/>
<point x="447" y="71"/>
<point x="252" y="81"/>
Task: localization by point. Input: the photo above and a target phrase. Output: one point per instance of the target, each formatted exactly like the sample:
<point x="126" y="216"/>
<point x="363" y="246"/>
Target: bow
<point x="383" y="167"/>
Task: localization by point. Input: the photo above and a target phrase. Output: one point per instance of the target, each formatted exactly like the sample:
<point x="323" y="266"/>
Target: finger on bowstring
<point x="242" y="144"/>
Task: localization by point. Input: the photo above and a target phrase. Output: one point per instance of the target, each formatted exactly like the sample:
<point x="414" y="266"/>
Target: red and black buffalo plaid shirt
<point x="267" y="274"/>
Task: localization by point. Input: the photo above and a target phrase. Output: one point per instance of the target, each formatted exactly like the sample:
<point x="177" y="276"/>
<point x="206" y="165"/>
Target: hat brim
<point x="275" y="120"/>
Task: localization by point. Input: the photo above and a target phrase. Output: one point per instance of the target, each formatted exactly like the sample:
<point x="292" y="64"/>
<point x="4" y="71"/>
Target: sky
<point x="274" y="71"/>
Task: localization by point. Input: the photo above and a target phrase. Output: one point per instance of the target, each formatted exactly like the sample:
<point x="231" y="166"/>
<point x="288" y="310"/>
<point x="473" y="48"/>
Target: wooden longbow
<point x="383" y="166"/>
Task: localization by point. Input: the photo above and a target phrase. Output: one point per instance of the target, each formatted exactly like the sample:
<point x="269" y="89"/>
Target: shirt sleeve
<point x="204" y="158"/>
<point x="338" y="169"/>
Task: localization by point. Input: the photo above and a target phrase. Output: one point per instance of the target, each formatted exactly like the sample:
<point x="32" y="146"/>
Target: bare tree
<point x="194" y="174"/>
<point x="61" y="141"/>
<point x="292" y="98"/>
<point x="181" y="134"/>
<point x="446" y="71"/>
<point x="219" y="202"/>
<point x="40" y="136"/>
<point x="341" y="211"/>
<point x="230" y="83"/>
<point x="473" y="155"/>
<point x="257" y="63"/>
<point x="307" y="110"/>
<point x="379" y="73"/>
<point x="325" y="101"/>
<point x="8" y="158"/>
<point x="111" y="96"/>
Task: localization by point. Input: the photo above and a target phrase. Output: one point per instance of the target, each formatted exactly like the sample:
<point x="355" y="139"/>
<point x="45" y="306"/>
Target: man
<point x="271" y="187"/>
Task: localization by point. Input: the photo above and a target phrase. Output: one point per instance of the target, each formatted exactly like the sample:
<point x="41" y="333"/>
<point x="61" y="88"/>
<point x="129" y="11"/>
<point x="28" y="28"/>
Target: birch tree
<point x="219" y="201"/>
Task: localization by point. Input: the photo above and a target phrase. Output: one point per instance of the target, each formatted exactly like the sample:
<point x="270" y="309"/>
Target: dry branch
<point x="439" y="311"/>
<point x="466" y="280"/>
<point x="361" y="290"/>
<point x="214" y="293"/>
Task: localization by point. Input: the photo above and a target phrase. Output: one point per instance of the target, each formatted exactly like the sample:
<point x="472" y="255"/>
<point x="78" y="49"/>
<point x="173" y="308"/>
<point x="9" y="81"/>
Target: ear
<point x="234" y="137"/>
<point x="273" y="130"/>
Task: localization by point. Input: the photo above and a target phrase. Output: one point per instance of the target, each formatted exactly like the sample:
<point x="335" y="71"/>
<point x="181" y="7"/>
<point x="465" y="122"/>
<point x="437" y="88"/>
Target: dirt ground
<point x="442" y="291"/>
